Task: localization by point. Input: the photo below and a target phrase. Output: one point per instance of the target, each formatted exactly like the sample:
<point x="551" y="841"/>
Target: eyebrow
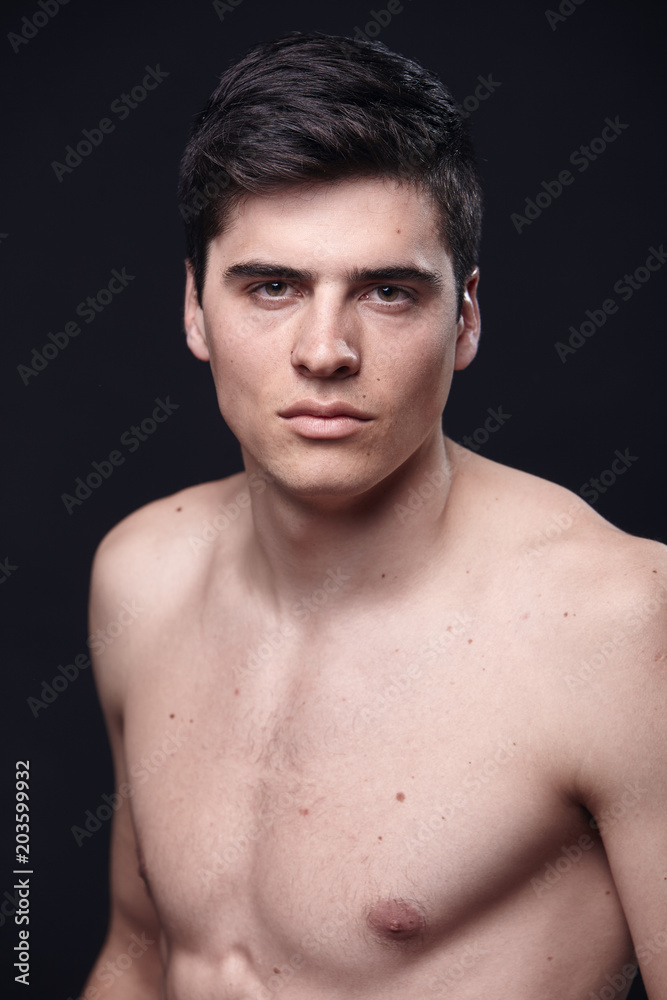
<point x="389" y="272"/>
<point x="396" y="272"/>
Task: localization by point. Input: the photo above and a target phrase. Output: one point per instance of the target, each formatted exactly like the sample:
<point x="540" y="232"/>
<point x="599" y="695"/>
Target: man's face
<point x="323" y="297"/>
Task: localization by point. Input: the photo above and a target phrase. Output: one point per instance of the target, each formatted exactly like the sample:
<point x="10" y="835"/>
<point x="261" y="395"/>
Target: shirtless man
<point x="370" y="740"/>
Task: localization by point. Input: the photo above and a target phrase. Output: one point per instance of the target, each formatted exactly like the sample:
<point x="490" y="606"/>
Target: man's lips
<point x="311" y="419"/>
<point x="312" y="408"/>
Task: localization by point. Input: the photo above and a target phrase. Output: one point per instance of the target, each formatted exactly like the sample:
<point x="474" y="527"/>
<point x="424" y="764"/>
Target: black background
<point x="118" y="209"/>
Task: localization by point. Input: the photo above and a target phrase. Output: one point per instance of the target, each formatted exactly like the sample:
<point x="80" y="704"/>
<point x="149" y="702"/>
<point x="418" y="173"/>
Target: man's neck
<point x="380" y="541"/>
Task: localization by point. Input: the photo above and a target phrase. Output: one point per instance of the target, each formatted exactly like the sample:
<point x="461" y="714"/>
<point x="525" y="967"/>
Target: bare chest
<point x="303" y="804"/>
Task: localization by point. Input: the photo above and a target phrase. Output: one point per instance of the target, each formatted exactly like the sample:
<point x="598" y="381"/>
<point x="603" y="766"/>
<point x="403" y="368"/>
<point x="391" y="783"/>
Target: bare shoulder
<point x="587" y="604"/>
<point x="154" y="546"/>
<point x="598" y="594"/>
<point x="150" y="568"/>
<point x="560" y="540"/>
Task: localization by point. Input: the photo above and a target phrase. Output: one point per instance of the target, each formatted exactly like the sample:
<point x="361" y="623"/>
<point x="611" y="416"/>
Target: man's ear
<point x="469" y="326"/>
<point x="193" y="318"/>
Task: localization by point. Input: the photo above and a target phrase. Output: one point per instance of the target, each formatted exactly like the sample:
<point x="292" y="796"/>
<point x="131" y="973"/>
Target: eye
<point x="275" y="289"/>
<point x="391" y="293"/>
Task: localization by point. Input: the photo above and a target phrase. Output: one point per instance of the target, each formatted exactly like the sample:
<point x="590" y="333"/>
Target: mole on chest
<point x="396" y="920"/>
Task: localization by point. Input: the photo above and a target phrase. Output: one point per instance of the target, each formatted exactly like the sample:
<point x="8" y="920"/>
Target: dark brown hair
<point x="316" y="107"/>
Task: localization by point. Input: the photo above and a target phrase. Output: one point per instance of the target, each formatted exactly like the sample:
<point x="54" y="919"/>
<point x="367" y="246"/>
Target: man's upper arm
<point x="626" y="774"/>
<point x="132" y="912"/>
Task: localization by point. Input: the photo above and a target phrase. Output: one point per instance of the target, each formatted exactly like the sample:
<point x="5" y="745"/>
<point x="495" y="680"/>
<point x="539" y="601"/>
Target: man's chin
<point x="322" y="485"/>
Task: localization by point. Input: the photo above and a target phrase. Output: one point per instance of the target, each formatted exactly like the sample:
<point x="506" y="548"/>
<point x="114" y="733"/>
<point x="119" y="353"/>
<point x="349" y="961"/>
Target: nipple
<point x="396" y="919"/>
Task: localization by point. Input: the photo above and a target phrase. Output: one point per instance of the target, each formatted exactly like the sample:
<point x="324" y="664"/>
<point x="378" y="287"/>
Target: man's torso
<point x="379" y="804"/>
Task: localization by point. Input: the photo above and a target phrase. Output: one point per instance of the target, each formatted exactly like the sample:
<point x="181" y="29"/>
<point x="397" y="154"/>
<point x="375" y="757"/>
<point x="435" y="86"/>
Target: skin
<point x="385" y="762"/>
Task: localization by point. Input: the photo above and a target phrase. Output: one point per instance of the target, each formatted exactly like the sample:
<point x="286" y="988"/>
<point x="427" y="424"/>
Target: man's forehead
<point x="377" y="220"/>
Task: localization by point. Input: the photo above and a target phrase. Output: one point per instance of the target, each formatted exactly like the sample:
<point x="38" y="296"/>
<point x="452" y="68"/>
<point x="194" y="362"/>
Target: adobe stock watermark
<point x="628" y="628"/>
<point x="102" y="638"/>
<point x="592" y="489"/>
<point x="626" y="288"/>
<point x="122" y="107"/>
<point x="402" y="680"/>
<point x="379" y="19"/>
<point x="582" y="157"/>
<point x="141" y="771"/>
<point x="30" y="26"/>
<point x="6" y="569"/>
<point x="9" y="906"/>
<point x="471" y="784"/>
<point x="399" y="684"/>
<point x="554" y="528"/>
<point x="495" y="420"/>
<point x="566" y="8"/>
<point x="279" y="978"/>
<point x="301" y="610"/>
<point x="88" y="309"/>
<point x="131" y="439"/>
<point x="415" y="498"/>
<point x="455" y="970"/>
<point x="111" y="971"/>
<point x="569" y="855"/>
<point x="311" y="944"/>
<point x="647" y="950"/>
<point x="59" y="683"/>
<point x="204" y="195"/>
<point x="618" y="982"/>
<point x="98" y="641"/>
<point x="229" y="512"/>
<point x="221" y="8"/>
<point x="607" y="818"/>
<point x="485" y="87"/>
<point x="239" y="843"/>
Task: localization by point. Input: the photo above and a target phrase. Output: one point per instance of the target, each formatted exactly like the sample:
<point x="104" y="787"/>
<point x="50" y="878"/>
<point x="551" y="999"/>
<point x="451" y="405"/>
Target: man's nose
<point x="326" y="344"/>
